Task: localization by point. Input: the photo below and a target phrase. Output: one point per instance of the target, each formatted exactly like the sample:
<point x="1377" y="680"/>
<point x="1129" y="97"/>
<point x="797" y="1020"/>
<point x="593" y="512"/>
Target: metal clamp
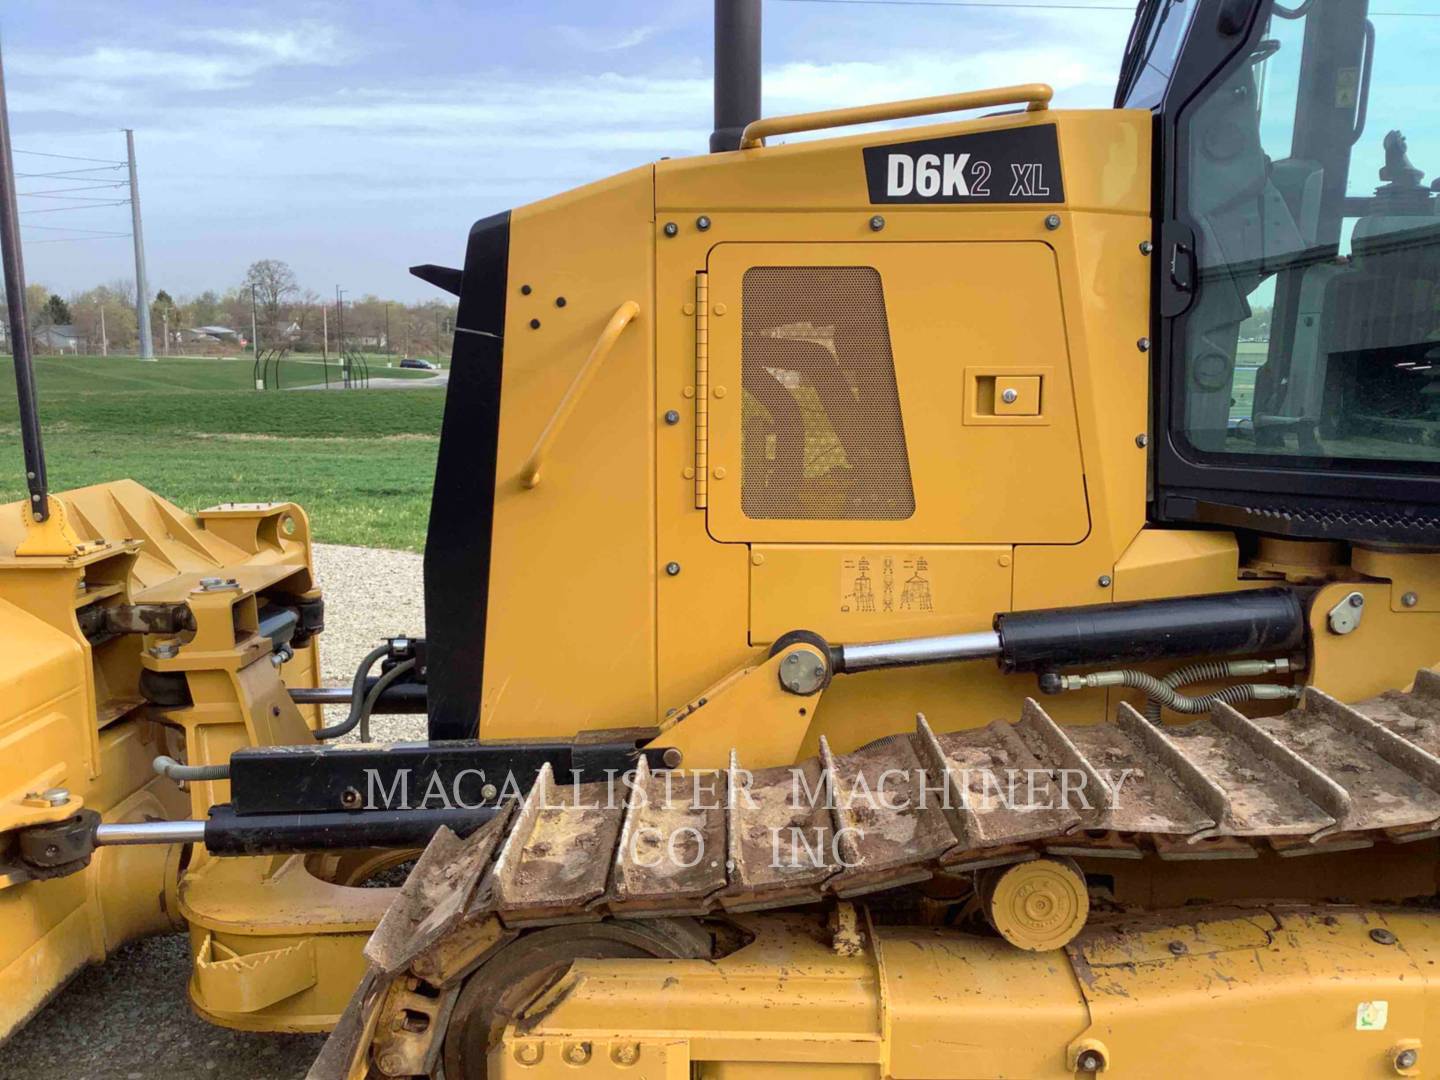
<point x="1344" y="617"/>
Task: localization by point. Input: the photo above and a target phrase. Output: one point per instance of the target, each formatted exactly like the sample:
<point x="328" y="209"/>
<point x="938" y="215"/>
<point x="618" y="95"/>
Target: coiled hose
<point x="357" y="695"/>
<point x="1161" y="691"/>
<point x="1160" y="695"/>
<point x="1207" y="671"/>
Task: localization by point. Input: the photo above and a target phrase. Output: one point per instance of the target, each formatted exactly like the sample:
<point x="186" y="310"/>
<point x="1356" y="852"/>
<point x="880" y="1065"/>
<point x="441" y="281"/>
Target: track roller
<point x="1037" y="905"/>
<point x="518" y="973"/>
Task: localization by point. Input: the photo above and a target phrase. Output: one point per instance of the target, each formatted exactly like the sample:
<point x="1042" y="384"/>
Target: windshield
<point x="1310" y="183"/>
<point x="1158" y="33"/>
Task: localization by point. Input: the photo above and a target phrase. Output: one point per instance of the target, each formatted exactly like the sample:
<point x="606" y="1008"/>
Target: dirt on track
<point x="130" y="1019"/>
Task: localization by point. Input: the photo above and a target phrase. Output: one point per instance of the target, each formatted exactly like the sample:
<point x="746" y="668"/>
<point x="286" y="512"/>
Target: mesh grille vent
<point x="823" y="436"/>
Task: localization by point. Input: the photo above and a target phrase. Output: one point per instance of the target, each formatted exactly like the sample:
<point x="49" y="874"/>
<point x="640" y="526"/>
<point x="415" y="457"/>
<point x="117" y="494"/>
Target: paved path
<point x="440" y="380"/>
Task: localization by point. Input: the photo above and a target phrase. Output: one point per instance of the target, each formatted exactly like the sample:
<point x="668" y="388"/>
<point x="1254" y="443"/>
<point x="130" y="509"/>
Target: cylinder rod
<point x="982" y="645"/>
<point x="737" y="71"/>
<point x="14" y="268"/>
<point x="149" y="832"/>
<point x="396" y="699"/>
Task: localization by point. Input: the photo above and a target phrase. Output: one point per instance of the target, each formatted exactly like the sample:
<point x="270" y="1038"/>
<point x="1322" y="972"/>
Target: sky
<point x="355" y="139"/>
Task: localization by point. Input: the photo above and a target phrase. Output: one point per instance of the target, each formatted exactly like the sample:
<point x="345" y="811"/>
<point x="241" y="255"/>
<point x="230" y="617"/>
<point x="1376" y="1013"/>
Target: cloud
<point x="615" y="114"/>
<point x="592" y="40"/>
<point x="257" y="141"/>
<point x="307" y="43"/>
<point x="222" y="59"/>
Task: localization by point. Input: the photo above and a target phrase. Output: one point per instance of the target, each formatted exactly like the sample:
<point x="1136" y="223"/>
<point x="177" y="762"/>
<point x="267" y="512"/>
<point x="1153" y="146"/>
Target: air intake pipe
<point x="1243" y="623"/>
<point x="737" y="71"/>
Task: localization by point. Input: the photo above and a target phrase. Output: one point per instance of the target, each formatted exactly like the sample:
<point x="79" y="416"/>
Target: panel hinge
<point x="702" y="389"/>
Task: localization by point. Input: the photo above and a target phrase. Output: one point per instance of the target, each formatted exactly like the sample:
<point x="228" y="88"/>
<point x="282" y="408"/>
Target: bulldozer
<point x="960" y="600"/>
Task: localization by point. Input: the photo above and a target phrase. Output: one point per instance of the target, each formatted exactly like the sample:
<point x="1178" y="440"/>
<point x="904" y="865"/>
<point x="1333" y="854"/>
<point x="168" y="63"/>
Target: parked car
<point x="416" y="362"/>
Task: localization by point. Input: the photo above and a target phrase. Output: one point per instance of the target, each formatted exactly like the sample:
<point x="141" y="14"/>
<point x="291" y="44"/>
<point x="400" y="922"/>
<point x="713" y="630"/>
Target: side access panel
<point x="891" y="393"/>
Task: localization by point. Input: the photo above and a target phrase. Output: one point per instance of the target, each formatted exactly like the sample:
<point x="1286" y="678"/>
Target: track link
<point x="1322" y="777"/>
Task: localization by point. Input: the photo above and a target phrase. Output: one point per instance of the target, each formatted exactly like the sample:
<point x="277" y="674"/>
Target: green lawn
<point x="95" y="374"/>
<point x="361" y="462"/>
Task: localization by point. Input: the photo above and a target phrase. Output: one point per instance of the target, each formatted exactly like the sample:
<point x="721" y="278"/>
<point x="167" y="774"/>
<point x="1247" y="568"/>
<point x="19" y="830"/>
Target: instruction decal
<point x="1016" y="165"/>
<point x="886" y="584"/>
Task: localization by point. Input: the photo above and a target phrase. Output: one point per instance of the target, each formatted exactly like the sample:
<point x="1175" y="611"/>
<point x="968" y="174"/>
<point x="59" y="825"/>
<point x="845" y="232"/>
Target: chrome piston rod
<point x="396" y="699"/>
<point x="982" y="645"/>
<point x="322" y="695"/>
<point x="150" y="832"/>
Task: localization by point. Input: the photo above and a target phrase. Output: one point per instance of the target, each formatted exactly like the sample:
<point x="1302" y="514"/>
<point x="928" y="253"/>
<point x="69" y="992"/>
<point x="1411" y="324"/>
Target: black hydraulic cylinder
<point x="1245" y="623"/>
<point x="229" y="833"/>
<point x="737" y="71"/>
<point x="268" y="780"/>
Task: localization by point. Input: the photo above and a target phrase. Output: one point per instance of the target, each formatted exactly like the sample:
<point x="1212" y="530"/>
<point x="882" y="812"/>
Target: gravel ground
<point x="130" y="1019"/>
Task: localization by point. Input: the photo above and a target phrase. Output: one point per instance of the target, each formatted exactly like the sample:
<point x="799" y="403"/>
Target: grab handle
<point x="624" y="314"/>
<point x="1036" y="95"/>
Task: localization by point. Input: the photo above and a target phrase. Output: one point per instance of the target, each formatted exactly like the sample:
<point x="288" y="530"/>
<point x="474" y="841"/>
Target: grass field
<point x="94" y="374"/>
<point x="361" y="462"/>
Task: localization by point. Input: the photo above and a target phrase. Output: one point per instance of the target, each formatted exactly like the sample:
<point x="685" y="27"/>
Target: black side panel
<point x="462" y="506"/>
<point x="1012" y="165"/>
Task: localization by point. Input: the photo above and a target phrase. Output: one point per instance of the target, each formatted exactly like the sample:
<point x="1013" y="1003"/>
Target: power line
<point x="68" y="198"/>
<point x="96" y="185"/>
<point x="74" y="239"/>
<point x="1024" y="5"/>
<point x="969" y="4"/>
<point x="72" y="174"/>
<point x="71" y="228"/>
<point x="67" y="157"/>
<point x="87" y="206"/>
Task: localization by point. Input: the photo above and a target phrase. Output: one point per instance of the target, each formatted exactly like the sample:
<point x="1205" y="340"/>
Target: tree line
<point x="269" y="304"/>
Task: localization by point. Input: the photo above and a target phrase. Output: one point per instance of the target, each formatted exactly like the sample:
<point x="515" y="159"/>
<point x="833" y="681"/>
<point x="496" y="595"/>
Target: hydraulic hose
<point x="375" y="692"/>
<point x="1210" y="670"/>
<point x="357" y="696"/>
<point x="1159" y="692"/>
<point x="361" y="709"/>
<point x="168" y="766"/>
<point x="1167" y="697"/>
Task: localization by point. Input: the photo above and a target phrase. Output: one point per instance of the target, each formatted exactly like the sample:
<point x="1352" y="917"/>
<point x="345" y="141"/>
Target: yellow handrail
<point x="1036" y="95"/>
<point x="624" y="315"/>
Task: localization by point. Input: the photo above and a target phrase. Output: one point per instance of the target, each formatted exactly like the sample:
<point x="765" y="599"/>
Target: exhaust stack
<point x="737" y="71"/>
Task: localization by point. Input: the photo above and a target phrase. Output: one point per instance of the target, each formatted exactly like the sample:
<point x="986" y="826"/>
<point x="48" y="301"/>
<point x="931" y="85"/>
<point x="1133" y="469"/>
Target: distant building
<point x="57" y="339"/>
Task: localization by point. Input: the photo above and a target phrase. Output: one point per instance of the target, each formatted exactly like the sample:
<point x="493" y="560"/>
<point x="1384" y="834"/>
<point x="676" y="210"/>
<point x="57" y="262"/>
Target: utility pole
<point x="142" y="286"/>
<point x="165" y="317"/>
<point x="14" y="272"/>
<point x="104" y="338"/>
<point x="325" y="332"/>
<point x="254" y="326"/>
<point x="340" y="336"/>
